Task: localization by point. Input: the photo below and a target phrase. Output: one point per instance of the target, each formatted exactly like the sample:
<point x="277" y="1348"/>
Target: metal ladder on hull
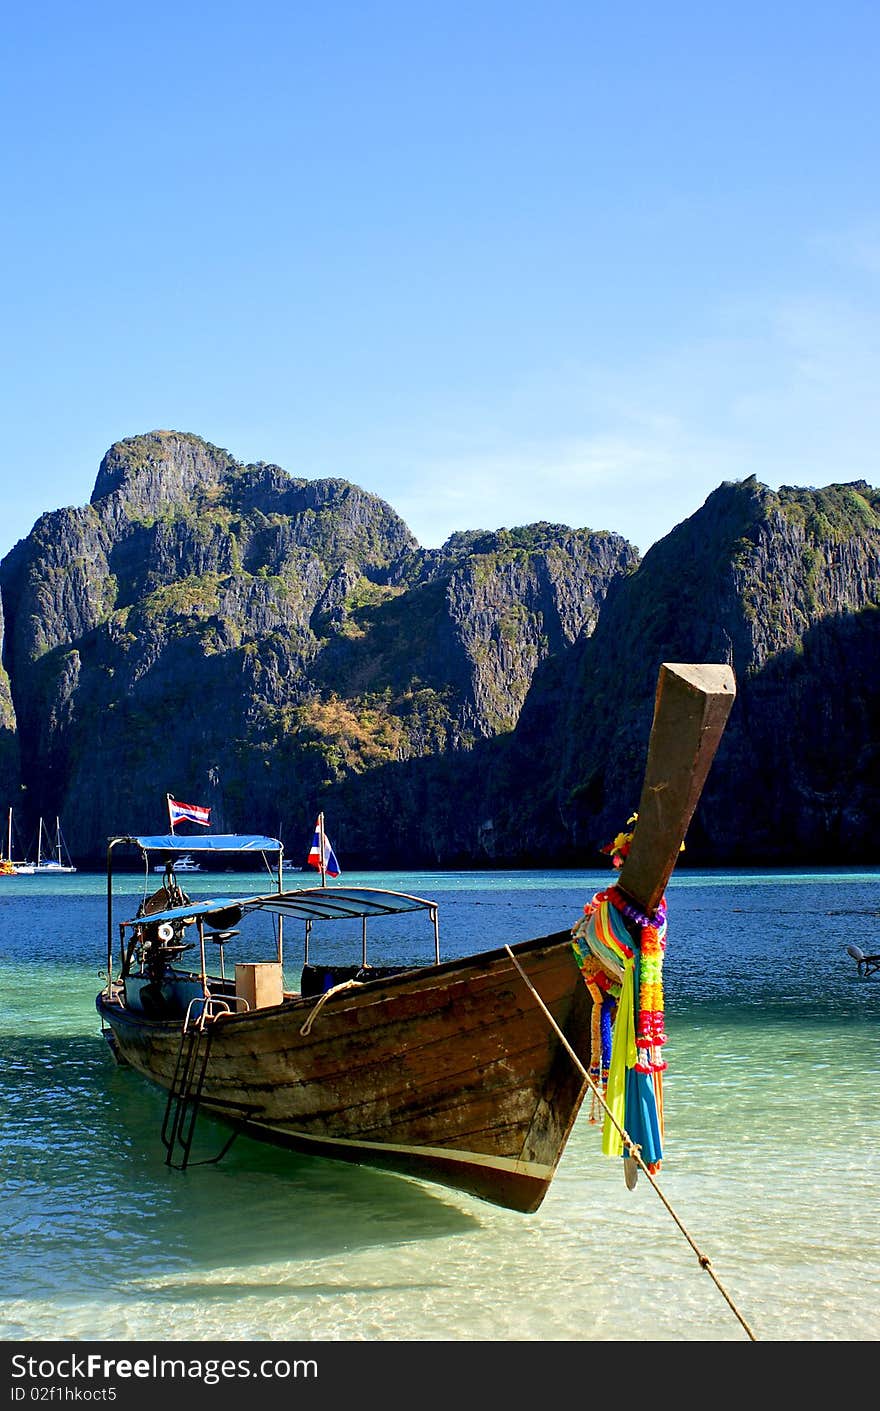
<point x="185" y="1093"/>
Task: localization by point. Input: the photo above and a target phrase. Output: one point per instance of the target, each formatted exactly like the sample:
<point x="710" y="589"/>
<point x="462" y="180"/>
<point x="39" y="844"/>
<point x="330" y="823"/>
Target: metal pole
<point x="109" y="916"/>
<point x="280" y="917"/>
<point x="201" y="929"/>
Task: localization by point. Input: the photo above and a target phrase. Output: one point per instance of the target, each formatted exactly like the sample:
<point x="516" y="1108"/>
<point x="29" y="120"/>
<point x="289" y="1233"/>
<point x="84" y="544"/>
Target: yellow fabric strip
<point x="623" y="1056"/>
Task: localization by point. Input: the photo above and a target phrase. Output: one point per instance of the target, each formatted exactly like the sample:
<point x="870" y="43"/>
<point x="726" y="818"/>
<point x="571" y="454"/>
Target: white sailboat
<point x="52" y="862"/>
<point x="8" y="867"/>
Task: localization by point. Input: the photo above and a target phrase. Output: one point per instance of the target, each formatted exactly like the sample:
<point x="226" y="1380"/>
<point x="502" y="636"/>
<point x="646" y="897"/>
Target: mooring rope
<point x="634" y="1151"/>
<point x="335" y="990"/>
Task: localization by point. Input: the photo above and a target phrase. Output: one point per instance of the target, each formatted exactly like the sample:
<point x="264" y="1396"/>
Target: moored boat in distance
<point x="8" y="866"/>
<point x="55" y="861"/>
<point x="468" y="1073"/>
<point x="184" y="863"/>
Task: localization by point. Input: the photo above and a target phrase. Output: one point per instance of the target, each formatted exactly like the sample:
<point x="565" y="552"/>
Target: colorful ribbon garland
<point x="616" y="965"/>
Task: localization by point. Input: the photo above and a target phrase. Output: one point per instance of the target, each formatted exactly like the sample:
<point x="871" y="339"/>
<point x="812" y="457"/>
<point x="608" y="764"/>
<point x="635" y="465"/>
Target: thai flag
<point x="330" y="865"/>
<point x="192" y="812"/>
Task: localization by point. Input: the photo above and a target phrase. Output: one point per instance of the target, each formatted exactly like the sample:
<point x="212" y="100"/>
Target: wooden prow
<point x="690" y="712"/>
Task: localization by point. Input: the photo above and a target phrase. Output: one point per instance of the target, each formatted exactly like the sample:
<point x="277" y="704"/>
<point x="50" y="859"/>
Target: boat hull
<point x="451" y="1073"/>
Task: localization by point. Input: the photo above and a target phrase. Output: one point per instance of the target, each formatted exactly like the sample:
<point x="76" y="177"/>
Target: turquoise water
<point x="771" y="1153"/>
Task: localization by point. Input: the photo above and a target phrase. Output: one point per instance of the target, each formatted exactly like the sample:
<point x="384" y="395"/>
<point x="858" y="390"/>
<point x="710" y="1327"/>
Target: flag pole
<point x="170" y="814"/>
<point x="323" y="849"/>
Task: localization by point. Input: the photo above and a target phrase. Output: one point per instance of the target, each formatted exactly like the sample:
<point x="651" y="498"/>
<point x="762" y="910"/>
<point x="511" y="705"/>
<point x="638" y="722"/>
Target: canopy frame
<point x="184" y="843"/>
<point x="308" y="904"/>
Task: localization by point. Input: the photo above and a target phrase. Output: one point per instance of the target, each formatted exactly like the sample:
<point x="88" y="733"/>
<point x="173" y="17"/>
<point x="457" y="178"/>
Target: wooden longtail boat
<point x="450" y="1071"/>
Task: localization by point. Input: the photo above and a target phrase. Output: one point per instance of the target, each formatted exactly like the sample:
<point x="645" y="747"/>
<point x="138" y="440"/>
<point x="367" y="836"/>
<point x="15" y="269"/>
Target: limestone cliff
<point x="234" y="634"/>
<point x="9" y="773"/>
<point x="783" y="586"/>
<point x="270" y="645"/>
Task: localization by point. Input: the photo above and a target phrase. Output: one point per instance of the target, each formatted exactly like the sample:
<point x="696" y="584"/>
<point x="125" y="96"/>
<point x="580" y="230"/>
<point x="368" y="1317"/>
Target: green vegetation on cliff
<point x="269" y="644"/>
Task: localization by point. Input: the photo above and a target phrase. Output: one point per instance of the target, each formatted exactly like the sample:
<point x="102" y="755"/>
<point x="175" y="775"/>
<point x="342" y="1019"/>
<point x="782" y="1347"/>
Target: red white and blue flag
<point x="187" y="812"/>
<point x="322" y="855"/>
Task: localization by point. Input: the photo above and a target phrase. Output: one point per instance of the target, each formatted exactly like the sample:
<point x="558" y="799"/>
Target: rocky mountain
<point x="786" y="588"/>
<point x="238" y="636"/>
<point x="9" y="770"/>
<point x="270" y="646"/>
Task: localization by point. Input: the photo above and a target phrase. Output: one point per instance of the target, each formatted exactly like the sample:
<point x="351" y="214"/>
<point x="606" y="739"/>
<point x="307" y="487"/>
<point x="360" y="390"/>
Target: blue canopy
<point x="203" y="842"/>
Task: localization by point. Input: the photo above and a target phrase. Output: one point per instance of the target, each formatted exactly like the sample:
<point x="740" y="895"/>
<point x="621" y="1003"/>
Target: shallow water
<point x="772" y="1145"/>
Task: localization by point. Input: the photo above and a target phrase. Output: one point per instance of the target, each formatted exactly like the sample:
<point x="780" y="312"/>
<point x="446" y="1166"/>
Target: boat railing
<point x="209" y="1008"/>
<point x="114" y="990"/>
<point x="866" y="965"/>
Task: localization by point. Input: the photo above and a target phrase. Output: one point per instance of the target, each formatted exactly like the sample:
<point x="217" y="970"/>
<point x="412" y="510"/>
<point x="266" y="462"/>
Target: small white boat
<point x="184" y="863"/>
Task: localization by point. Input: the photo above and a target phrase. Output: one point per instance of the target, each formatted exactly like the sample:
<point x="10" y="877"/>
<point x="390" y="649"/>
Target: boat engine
<point x="159" y="943"/>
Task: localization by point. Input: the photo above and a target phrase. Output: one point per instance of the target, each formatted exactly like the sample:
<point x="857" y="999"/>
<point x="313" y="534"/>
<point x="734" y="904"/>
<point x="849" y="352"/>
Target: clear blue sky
<point x="496" y="262"/>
